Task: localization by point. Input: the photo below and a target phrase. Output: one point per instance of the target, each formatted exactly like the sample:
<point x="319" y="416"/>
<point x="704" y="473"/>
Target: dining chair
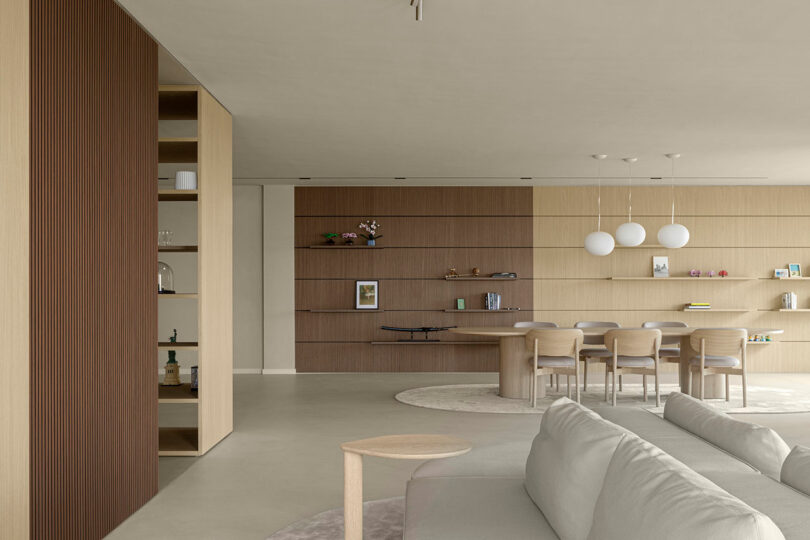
<point x="633" y="351"/>
<point x="593" y="354"/>
<point x="554" y="351"/>
<point x="540" y="324"/>
<point x="667" y="353"/>
<point x="720" y="351"/>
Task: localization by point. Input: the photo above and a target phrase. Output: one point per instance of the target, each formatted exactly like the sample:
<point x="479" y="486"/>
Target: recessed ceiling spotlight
<point x="400" y="178"/>
<point x="656" y="178"/>
<point x="305" y="178"/>
<point x="526" y="178"/>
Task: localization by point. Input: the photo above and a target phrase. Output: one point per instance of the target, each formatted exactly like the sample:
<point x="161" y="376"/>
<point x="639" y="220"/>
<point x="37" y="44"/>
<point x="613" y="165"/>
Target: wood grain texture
<point x="93" y="320"/>
<point x="14" y="270"/>
<point x="746" y="230"/>
<point x="215" y="271"/>
<point x="426" y="232"/>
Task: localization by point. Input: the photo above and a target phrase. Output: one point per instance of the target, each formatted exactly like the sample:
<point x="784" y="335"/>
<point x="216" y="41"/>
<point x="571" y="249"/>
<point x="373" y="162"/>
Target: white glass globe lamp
<point x="599" y="243"/>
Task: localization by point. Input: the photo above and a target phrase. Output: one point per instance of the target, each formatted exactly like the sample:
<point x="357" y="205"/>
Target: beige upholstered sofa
<point x="620" y="474"/>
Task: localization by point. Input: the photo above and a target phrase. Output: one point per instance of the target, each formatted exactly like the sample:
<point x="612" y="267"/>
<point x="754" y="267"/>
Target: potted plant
<point x="330" y="238"/>
<point x="370" y="226"/>
<point x="348" y="238"/>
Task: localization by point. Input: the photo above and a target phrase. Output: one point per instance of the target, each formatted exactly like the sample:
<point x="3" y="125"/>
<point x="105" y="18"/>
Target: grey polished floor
<point x="283" y="462"/>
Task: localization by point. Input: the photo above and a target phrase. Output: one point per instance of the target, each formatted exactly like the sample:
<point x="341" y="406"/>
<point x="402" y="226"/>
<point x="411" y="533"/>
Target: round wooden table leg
<point x="353" y="495"/>
<point x="713" y="384"/>
<point x="515" y="371"/>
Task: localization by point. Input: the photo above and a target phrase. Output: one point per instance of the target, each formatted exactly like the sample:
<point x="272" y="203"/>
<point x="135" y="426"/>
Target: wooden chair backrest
<point x="595" y="340"/>
<point x="535" y="324"/>
<point x="719" y="341"/>
<point x="633" y="341"/>
<point x="666" y="340"/>
<point x="554" y="341"/>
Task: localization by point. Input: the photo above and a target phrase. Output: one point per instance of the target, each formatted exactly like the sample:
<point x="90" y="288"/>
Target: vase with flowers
<point x="371" y="236"/>
<point x="348" y="238"/>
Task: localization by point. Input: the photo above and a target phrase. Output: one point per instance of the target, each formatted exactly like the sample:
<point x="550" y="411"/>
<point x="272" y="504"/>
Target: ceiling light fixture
<point x="630" y="234"/>
<point x="418" y="4"/>
<point x="673" y="235"/>
<point x="599" y="242"/>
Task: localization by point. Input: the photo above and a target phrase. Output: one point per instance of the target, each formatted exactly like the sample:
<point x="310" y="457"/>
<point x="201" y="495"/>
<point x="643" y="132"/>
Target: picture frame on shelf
<point x="781" y="273"/>
<point x="367" y="294"/>
<point x="795" y="269"/>
<point x="461" y="304"/>
<point x="660" y="267"/>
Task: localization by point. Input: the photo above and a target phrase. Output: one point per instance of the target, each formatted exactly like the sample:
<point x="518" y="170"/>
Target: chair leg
<point x="557" y="381"/>
<point x="607" y="385"/>
<point x="728" y="394"/>
<point x="644" y="384"/>
<point x="621" y="380"/>
<point x="614" y="385"/>
<point x="585" y="376"/>
<point x="745" y="389"/>
<point x="689" y="382"/>
<point x="534" y="390"/>
<point x="576" y="386"/>
<point x="702" y="385"/>
<point x="568" y="385"/>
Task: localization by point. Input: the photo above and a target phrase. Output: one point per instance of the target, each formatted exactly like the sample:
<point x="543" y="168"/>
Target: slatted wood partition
<point x="745" y="230"/>
<point x="93" y="261"/>
<point x="426" y="231"/>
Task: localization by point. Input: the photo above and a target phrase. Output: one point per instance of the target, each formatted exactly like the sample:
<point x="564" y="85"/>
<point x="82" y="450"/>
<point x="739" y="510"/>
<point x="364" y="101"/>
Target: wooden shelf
<point x="683" y="278"/>
<point x="760" y="342"/>
<point x="177" y="394"/>
<point x="177" y="194"/>
<point x="324" y="246"/>
<point x="346" y="310"/>
<point x="177" y="150"/>
<point x="177" y="249"/>
<point x="179" y="295"/>
<point x="168" y="346"/>
<point x="791" y="279"/>
<point x="482" y="278"/>
<point x="789" y="310"/>
<point x="482" y="311"/>
<point x="642" y="246"/>
<point x="721" y="310"/>
<point x="434" y="343"/>
<point x="178" y="442"/>
<point x="177" y="105"/>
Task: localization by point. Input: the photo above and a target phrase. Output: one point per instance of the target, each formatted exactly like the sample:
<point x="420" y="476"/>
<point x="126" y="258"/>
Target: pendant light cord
<point x="672" y="187"/>
<point x="599" y="195"/>
<point x="630" y="192"/>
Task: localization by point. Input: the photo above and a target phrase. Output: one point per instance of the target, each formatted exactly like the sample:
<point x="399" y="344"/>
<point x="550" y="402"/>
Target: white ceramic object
<point x="599" y="243"/>
<point x="673" y="235"/>
<point x="185" y="180"/>
<point x="630" y="234"/>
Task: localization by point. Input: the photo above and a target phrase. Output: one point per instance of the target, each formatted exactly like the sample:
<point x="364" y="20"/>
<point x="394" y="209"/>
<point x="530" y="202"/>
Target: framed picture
<point x="460" y="303"/>
<point x="366" y="295"/>
<point x="661" y="267"/>
<point x="795" y="270"/>
<point x="781" y="273"/>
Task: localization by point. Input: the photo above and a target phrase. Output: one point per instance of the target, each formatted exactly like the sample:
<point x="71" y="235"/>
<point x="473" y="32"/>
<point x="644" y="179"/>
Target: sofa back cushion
<point x="796" y="469"/>
<point x="649" y="494"/>
<point x="567" y="464"/>
<point x="759" y="446"/>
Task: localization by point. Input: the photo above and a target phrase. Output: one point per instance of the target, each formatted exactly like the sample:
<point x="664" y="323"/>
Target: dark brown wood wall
<point x="426" y="231"/>
<point x="93" y="261"/>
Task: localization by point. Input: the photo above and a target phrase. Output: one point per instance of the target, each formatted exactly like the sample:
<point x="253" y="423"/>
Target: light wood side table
<point x="421" y="447"/>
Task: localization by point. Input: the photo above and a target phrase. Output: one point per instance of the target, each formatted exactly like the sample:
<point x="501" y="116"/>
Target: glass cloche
<point x="165" y="278"/>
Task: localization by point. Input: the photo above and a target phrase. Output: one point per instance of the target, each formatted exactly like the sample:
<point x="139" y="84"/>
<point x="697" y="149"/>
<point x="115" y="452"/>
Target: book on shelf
<point x="492" y="301"/>
<point x="698" y="305"/>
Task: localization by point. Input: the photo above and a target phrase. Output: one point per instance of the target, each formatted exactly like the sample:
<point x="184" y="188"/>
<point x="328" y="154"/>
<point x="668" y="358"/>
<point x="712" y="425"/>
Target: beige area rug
<point x="483" y="398"/>
<point x="382" y="520"/>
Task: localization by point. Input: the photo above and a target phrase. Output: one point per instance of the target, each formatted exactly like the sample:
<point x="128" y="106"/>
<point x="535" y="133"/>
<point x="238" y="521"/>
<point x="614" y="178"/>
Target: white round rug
<point x="483" y="398"/>
<point x="383" y="519"/>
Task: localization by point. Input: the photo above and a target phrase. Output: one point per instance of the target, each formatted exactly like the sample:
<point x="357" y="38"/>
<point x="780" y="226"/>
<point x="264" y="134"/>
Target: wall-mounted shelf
<point x="177" y="194"/>
<point x="168" y="346"/>
<point x="482" y="311"/>
<point x="177" y="150"/>
<point x="434" y="343"/>
<point x="721" y="310"/>
<point x="177" y="249"/>
<point x="643" y="246"/>
<point x="323" y="246"/>
<point x="683" y="278"/>
<point x="177" y="394"/>
<point x="177" y="105"/>
<point x="179" y="295"/>
<point x="791" y="279"/>
<point x="482" y="278"/>
<point x="346" y="310"/>
<point x="790" y="310"/>
<point x="178" y="442"/>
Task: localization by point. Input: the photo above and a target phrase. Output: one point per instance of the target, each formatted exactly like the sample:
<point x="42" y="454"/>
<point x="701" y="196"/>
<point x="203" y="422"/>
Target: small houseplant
<point x="348" y="238"/>
<point x="370" y="226"/>
<point x="330" y="238"/>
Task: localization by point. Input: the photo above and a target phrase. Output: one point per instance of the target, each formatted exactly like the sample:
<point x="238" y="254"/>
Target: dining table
<point x="515" y="370"/>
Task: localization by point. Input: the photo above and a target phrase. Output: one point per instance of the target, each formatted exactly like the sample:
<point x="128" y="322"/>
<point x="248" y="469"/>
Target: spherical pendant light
<point x="673" y="235"/>
<point x="599" y="243"/>
<point x="630" y="234"/>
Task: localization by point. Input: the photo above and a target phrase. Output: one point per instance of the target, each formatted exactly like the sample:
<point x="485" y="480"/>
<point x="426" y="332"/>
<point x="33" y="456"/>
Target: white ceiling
<point x="356" y="91"/>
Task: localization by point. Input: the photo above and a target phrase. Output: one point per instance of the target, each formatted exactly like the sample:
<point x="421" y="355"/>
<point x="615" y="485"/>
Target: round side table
<point x="420" y="447"/>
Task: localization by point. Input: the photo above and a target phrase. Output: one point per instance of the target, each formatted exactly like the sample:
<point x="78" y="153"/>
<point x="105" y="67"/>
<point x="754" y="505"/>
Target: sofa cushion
<point x="567" y="464"/>
<point x="689" y="449"/>
<point x="758" y="445"/>
<point x="649" y="494"/>
<point x="796" y="469"/>
<point x="469" y="508"/>
<point x="505" y="459"/>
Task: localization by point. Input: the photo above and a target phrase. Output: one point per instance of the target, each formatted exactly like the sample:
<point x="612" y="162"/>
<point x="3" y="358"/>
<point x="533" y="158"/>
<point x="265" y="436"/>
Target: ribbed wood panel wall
<point x="93" y="262"/>
<point x="745" y="230"/>
<point x="426" y="231"/>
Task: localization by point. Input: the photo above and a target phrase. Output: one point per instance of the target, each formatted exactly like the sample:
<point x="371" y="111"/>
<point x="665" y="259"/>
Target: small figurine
<point x="452" y="273"/>
<point x="476" y="272"/>
<point x="172" y="377"/>
<point x="723" y="273"/>
<point x="694" y="273"/>
<point x="330" y="238"/>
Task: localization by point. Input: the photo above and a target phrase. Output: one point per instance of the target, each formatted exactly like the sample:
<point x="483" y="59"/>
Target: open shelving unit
<point x="343" y="246"/>
<point x="447" y="278"/>
<point x="683" y="278"/>
<point x="210" y="152"/>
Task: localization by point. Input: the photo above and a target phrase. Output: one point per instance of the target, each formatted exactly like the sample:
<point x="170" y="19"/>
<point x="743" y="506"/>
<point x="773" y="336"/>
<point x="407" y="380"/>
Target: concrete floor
<point x="283" y="462"/>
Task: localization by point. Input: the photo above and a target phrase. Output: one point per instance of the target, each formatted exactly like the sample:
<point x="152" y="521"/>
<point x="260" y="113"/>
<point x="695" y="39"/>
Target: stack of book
<point x="698" y="305"/>
<point x="492" y="300"/>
